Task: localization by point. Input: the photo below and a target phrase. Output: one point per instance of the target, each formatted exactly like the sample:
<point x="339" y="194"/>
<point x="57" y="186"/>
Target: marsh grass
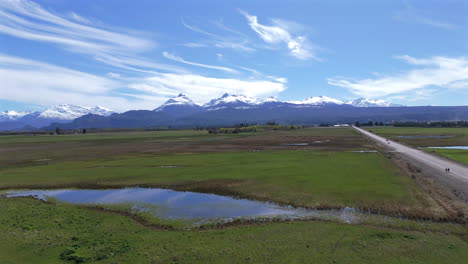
<point x="52" y="233"/>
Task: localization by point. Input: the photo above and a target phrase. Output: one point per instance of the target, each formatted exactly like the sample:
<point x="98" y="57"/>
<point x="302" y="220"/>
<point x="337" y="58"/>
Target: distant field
<point x="27" y="150"/>
<point x="100" y="137"/>
<point x="35" y="232"/>
<point x="316" y="167"/>
<point x="267" y="166"/>
<point x="429" y="137"/>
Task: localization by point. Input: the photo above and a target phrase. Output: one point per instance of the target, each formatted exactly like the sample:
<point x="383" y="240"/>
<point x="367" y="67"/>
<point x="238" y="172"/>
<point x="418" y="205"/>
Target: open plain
<point x="320" y="168"/>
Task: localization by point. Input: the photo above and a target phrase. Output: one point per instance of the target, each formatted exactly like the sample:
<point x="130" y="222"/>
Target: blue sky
<point x="136" y="54"/>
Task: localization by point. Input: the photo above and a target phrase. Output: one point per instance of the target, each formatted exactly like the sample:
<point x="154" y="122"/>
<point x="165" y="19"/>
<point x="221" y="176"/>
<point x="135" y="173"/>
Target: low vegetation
<point x="36" y="232"/>
<point x="313" y="167"/>
<point x="252" y="128"/>
<point x="303" y="178"/>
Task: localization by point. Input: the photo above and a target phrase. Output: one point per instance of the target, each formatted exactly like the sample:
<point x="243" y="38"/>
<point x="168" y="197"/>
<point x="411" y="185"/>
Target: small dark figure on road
<point x="448" y="169"/>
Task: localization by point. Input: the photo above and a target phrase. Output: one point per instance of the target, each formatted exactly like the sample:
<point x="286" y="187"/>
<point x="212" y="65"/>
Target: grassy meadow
<point x="326" y="171"/>
<point x="36" y="232"/>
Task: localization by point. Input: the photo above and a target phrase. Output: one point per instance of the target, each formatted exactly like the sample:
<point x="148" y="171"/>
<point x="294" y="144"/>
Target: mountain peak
<point x="180" y="100"/>
<point x="317" y="100"/>
<point x="69" y="111"/>
<point x="232" y="100"/>
<point x="10" y="115"/>
<point x="270" y="99"/>
<point x="367" y="102"/>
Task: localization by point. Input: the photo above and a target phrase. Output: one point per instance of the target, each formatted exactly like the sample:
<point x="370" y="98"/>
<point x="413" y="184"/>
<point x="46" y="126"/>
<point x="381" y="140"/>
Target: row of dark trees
<point x="432" y="124"/>
<point x="59" y="131"/>
<point x="370" y="123"/>
<point x="415" y="124"/>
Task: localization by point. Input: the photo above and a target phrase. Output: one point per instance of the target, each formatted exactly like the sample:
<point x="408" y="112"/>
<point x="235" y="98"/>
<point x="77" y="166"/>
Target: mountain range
<point x="229" y="109"/>
<point x="12" y="120"/>
<point x="243" y="102"/>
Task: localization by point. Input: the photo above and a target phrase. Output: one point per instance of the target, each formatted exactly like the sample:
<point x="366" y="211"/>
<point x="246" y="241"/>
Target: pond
<point x="197" y="207"/>
<point x="450" y="147"/>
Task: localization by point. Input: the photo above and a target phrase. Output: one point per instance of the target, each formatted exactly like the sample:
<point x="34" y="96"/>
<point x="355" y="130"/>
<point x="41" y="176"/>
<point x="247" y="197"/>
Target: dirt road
<point x="458" y="172"/>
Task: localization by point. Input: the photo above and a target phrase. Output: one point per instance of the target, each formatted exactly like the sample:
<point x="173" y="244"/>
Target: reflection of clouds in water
<point x="128" y="195"/>
<point x="189" y="205"/>
<point x="39" y="194"/>
<point x="177" y="198"/>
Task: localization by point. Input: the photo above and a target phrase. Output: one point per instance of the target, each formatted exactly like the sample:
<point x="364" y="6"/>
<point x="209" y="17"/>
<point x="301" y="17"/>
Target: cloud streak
<point x="134" y="83"/>
<point x="173" y="57"/>
<point x="236" y="41"/>
<point x="201" y="89"/>
<point x="28" y="20"/>
<point x="34" y="82"/>
<point x="298" y="46"/>
<point x="440" y="72"/>
<point x="410" y="14"/>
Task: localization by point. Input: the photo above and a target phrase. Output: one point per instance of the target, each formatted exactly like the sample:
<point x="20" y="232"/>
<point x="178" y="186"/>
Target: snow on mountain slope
<point x="269" y="99"/>
<point x="243" y="102"/>
<point x="12" y="115"/>
<point x="180" y="100"/>
<point x="232" y="100"/>
<point x="99" y="110"/>
<point x="366" y="102"/>
<point x="70" y="112"/>
<point x="317" y="100"/>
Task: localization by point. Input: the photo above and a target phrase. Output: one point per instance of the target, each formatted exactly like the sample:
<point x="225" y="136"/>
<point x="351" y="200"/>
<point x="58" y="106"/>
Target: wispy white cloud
<point x="113" y="75"/>
<point x="410" y="14"/>
<point x="180" y="59"/>
<point x="195" y="45"/>
<point x="28" y="20"/>
<point x="201" y="89"/>
<point x="236" y="41"/>
<point x="149" y="84"/>
<point x="298" y="46"/>
<point x="79" y="18"/>
<point x="34" y="82"/>
<point x="432" y="73"/>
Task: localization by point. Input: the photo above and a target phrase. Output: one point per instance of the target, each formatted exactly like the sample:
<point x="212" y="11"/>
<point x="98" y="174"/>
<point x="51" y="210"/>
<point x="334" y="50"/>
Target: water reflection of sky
<point x="171" y="204"/>
<point x="450" y="147"/>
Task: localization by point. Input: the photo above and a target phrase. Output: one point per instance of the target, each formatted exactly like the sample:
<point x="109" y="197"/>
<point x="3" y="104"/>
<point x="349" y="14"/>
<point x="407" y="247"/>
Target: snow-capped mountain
<point x="12" y="115"/>
<point x="182" y="111"/>
<point x="70" y="112"/>
<point x="269" y="99"/>
<point x="102" y="111"/>
<point x="366" y="102"/>
<point x="180" y="100"/>
<point x="232" y="101"/>
<point x="179" y="106"/>
<point x="317" y="100"/>
<point x="10" y="120"/>
<point x="245" y="102"/>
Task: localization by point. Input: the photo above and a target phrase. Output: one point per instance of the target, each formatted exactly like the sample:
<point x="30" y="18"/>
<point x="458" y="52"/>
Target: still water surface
<point x="450" y="147"/>
<point x="170" y="204"/>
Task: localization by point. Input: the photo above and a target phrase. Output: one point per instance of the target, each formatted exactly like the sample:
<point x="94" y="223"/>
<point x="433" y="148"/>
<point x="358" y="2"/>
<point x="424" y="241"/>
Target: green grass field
<point x="35" y="232"/>
<point x="304" y="178"/>
<point x="451" y="137"/>
<point x="325" y="173"/>
<point x="460" y="155"/>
